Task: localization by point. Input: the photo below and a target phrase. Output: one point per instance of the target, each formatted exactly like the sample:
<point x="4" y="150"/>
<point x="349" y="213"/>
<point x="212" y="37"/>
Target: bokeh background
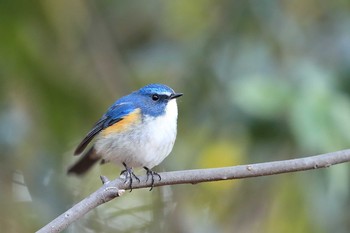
<point x="262" y="80"/>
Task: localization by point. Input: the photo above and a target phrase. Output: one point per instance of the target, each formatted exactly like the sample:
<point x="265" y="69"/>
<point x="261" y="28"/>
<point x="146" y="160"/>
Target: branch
<point x="115" y="188"/>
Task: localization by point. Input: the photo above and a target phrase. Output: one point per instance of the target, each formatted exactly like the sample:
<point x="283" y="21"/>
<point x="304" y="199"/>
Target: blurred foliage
<point x="262" y="81"/>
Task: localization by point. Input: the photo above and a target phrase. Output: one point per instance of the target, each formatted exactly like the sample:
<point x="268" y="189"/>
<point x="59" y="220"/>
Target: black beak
<point x="175" y="95"/>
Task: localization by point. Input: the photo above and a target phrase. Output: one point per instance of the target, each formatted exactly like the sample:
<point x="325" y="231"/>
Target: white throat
<point x="171" y="109"/>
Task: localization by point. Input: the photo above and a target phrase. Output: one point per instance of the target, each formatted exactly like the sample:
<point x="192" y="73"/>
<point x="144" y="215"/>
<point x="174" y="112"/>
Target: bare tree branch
<point x="117" y="187"/>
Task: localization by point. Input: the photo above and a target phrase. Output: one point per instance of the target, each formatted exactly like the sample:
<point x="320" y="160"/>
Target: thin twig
<point x="117" y="187"/>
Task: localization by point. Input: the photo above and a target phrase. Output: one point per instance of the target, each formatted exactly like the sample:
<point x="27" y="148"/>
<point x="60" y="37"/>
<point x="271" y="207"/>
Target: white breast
<point x="144" y="145"/>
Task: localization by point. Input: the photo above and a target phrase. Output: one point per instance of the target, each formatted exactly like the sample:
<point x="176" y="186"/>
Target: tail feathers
<point x="85" y="163"/>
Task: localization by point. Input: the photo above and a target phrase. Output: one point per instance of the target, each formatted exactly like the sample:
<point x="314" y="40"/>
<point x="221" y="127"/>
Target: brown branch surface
<point x="117" y="187"/>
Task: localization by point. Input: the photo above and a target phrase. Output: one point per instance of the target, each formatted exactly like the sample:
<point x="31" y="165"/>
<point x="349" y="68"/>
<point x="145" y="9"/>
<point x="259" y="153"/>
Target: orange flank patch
<point x="122" y="125"/>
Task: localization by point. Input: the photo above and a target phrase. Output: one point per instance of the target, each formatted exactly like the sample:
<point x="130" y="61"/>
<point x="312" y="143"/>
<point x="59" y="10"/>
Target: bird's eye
<point x="155" y="97"/>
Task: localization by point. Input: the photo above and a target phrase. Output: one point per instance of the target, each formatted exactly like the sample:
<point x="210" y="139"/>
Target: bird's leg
<point x="151" y="174"/>
<point x="129" y="174"/>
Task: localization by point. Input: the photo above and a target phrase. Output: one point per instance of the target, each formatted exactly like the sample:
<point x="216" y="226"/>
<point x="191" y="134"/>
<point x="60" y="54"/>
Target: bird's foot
<point x="129" y="175"/>
<point x="151" y="174"/>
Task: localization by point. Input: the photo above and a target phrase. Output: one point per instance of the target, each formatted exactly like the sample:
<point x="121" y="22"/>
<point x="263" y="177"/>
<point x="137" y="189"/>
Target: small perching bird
<point x="138" y="130"/>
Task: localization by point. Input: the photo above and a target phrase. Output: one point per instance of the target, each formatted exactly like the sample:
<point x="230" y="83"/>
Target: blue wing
<point x="114" y="114"/>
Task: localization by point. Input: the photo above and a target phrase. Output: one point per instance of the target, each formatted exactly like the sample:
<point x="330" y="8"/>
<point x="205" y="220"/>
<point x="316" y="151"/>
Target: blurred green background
<point x="262" y="81"/>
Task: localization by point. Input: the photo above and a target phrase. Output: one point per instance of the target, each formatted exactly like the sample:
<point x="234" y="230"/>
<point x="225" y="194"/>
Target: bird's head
<point x="157" y="99"/>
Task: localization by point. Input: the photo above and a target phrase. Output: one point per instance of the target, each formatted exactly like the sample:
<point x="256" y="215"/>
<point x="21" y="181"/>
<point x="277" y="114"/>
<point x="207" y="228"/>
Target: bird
<point x="137" y="131"/>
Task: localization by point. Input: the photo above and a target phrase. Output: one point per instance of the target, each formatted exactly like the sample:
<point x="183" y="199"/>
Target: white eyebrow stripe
<point x="164" y="93"/>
